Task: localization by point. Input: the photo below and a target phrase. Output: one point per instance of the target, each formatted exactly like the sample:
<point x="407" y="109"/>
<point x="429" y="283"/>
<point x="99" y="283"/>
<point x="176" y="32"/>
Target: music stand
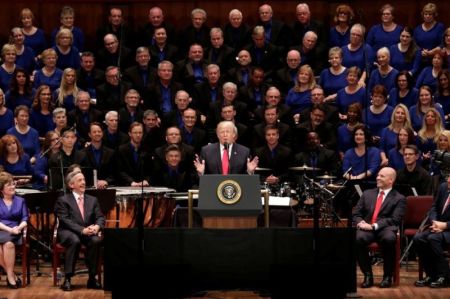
<point x="56" y="182"/>
<point x="42" y="204"/>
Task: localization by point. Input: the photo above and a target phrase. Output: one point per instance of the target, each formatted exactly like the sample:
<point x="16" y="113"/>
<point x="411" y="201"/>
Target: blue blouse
<point x="417" y="116"/>
<point x="17" y="214"/>
<point x="409" y="100"/>
<point x="344" y="99"/>
<point x="358" y="163"/>
<point x="398" y="60"/>
<point x="429" y="39"/>
<point x="376" y="122"/>
<point x="29" y="140"/>
<point x="388" y="80"/>
<point x="345" y="138"/>
<point x="27" y="60"/>
<point x="6" y="121"/>
<point x="331" y="83"/>
<point x="426" y="78"/>
<point x="298" y="101"/>
<point x="337" y="39"/>
<point x="21" y="167"/>
<point x="78" y="38"/>
<point x="54" y="81"/>
<point x="41" y="122"/>
<point x="71" y="59"/>
<point x="36" y="41"/>
<point x="358" y="57"/>
<point x="378" y="37"/>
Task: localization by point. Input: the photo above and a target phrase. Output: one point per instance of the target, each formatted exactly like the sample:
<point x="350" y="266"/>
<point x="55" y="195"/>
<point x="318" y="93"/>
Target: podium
<point x="229" y="201"/>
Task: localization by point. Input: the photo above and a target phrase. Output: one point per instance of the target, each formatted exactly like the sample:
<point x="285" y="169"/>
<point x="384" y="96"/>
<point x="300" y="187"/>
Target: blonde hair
<point x="63" y="89"/>
<point x="312" y="79"/>
<point x="407" y="123"/>
<point x="438" y="127"/>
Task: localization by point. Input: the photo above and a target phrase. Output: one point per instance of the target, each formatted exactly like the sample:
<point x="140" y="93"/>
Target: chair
<point x="417" y="208"/>
<point x="59" y="249"/>
<point x="23" y="250"/>
<point x="374" y="247"/>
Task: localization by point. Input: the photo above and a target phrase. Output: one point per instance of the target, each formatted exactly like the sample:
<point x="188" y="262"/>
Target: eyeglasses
<point x="11" y="184"/>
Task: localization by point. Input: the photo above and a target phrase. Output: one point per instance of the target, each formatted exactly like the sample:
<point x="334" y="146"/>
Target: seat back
<point x="417" y="208"/>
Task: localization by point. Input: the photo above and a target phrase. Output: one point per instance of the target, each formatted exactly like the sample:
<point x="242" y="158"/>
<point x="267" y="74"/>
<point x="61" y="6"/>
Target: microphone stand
<point x="140" y="210"/>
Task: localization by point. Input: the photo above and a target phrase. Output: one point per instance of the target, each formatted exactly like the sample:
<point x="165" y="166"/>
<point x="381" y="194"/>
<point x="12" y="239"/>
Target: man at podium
<point x="226" y="156"/>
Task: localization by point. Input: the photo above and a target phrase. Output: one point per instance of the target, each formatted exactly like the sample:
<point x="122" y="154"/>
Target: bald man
<point x="377" y="216"/>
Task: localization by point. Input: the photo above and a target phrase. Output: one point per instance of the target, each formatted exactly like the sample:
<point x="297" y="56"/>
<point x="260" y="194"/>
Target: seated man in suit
<point x="225" y="156"/>
<point x="431" y="243"/>
<point x="377" y="216"/>
<point x="80" y="220"/>
<point x="274" y="156"/>
<point x="172" y="173"/>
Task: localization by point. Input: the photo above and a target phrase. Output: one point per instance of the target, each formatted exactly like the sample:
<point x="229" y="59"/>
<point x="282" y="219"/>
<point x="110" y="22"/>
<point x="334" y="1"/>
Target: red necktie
<point x="377" y="207"/>
<point x="446" y="204"/>
<point x="225" y="162"/>
<point x="81" y="205"/>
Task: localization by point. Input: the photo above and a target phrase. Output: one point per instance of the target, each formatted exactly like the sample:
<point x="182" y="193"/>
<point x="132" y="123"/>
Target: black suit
<point x="153" y="95"/>
<point x="125" y="118"/>
<point x="237" y="38"/>
<point x="285" y="79"/>
<point x="134" y="75"/>
<point x="278" y="161"/>
<point x="170" y="53"/>
<point x="388" y="221"/>
<point x="107" y="166"/>
<point x="187" y="156"/>
<point x="259" y="134"/>
<point x="131" y="170"/>
<point x="180" y="179"/>
<point x="198" y="137"/>
<point x="111" y="97"/>
<point x="146" y="32"/>
<point x="113" y="141"/>
<point x="223" y="57"/>
<point x="82" y="120"/>
<point x="106" y="58"/>
<point x="324" y="159"/>
<point x="280" y="33"/>
<point x="213" y="160"/>
<point x="71" y="224"/>
<point x="202" y="96"/>
<point x="430" y="246"/>
<point x="90" y="81"/>
<point x="59" y="159"/>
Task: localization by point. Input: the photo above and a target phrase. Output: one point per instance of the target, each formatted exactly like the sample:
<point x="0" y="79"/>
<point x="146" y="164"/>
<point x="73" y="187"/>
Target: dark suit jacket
<point x="107" y="168"/>
<point x="125" y="119"/>
<point x="259" y="136"/>
<point x="110" y="97"/>
<point x="122" y="138"/>
<point x="133" y="75"/>
<point x="185" y="74"/>
<point x="279" y="163"/>
<point x="213" y="161"/>
<point x="327" y="160"/>
<point x="224" y="57"/>
<point x="69" y="215"/>
<point x="170" y="54"/>
<point x="436" y="209"/>
<point x="130" y="171"/>
<point x="283" y="80"/>
<point x="191" y="35"/>
<point x="237" y="38"/>
<point x="153" y="96"/>
<point x="105" y="58"/>
<point x="198" y="138"/>
<point x="97" y="75"/>
<point x="146" y="32"/>
<point x="270" y="59"/>
<point x="202" y="96"/>
<point x="391" y="212"/>
<point x="331" y="116"/>
<point x="187" y="156"/>
<point x="75" y="117"/>
<point x="280" y="34"/>
<point x="284" y="114"/>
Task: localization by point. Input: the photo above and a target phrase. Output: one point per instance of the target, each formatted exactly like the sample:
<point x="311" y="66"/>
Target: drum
<point x="157" y="207"/>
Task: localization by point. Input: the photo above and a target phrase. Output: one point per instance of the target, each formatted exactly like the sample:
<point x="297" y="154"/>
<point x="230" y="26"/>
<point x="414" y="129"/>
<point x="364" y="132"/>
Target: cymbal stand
<point x="336" y="218"/>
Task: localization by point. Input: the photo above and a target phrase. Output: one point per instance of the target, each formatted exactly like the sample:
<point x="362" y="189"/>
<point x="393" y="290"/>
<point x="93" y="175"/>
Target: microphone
<point x="226" y="146"/>
<point x="347" y="172"/>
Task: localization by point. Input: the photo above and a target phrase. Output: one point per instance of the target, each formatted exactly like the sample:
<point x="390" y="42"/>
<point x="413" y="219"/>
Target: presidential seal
<point x="229" y="192"/>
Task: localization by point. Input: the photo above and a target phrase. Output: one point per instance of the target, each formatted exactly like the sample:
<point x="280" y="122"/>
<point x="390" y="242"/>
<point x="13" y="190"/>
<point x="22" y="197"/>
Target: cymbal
<point x="333" y="186"/>
<point x="303" y="168"/>
<point x="326" y="177"/>
<point x="262" y="169"/>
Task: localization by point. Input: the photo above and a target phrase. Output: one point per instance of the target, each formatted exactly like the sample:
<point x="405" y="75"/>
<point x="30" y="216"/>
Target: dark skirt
<point x="7" y="237"/>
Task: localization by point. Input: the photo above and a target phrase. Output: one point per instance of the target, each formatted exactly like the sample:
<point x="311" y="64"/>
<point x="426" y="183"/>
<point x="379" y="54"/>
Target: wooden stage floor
<point x="42" y="287"/>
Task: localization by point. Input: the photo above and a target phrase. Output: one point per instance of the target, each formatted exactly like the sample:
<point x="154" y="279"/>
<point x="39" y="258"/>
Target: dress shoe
<point x="93" y="284"/>
<point x="19" y="282"/>
<point x="10" y="285"/>
<point x="423" y="282"/>
<point x="386" y="282"/>
<point x="368" y="281"/>
<point x="441" y="282"/>
<point x="66" y="286"/>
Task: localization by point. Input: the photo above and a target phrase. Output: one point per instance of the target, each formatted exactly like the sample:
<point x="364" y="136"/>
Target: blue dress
<point x="345" y="138"/>
<point x="29" y="140"/>
<point x="377" y="37"/>
<point x="388" y="140"/>
<point x="298" y="101"/>
<point x="78" y="38"/>
<point x="388" y="81"/>
<point x="398" y="61"/>
<point x="429" y="39"/>
<point x="376" y="122"/>
<point x="71" y="59"/>
<point x="12" y="217"/>
<point x="21" y="167"/>
<point x="5" y="79"/>
<point x="344" y="99"/>
<point x="12" y="101"/>
<point x="395" y="159"/>
<point x="36" y="41"/>
<point x="426" y="78"/>
<point x="6" y="121"/>
<point x="409" y="100"/>
<point x="417" y="116"/>
<point x="337" y="39"/>
<point x="39" y="172"/>
<point x="359" y="57"/>
<point x="54" y="81"/>
<point x="358" y="163"/>
<point x="27" y="60"/>
<point x="331" y="83"/>
<point x="41" y="122"/>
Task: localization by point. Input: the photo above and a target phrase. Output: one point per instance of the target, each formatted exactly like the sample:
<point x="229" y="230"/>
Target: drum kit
<point x="316" y="188"/>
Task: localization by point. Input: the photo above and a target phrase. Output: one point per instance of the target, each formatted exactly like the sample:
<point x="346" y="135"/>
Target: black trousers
<point x="430" y="248"/>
